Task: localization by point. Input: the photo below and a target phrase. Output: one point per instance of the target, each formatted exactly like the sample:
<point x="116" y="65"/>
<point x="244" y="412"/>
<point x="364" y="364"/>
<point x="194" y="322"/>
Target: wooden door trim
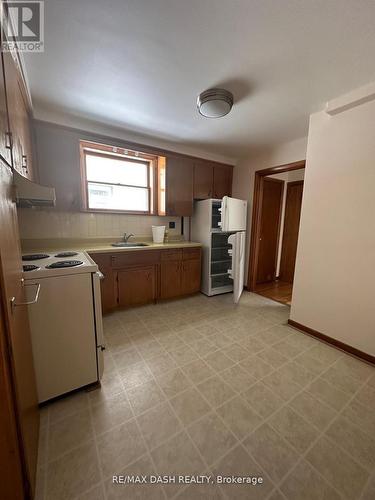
<point x="257" y="212"/>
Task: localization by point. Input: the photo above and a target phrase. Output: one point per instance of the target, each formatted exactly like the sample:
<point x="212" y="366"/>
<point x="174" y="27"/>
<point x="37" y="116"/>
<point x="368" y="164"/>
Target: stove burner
<point x="30" y="267"/>
<point x="35" y="256"/>
<point x="66" y="254"/>
<point x="64" y="263"/>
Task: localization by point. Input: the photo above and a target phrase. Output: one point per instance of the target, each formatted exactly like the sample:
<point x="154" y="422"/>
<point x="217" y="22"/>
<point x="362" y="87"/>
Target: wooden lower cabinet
<point x="182" y="274"/>
<point x="170" y="279"/>
<point x="190" y="276"/>
<point x="136" y="286"/>
<point x="136" y="278"/>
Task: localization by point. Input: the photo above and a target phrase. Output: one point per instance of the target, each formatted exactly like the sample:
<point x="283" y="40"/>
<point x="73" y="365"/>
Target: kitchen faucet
<point x="127" y="236"/>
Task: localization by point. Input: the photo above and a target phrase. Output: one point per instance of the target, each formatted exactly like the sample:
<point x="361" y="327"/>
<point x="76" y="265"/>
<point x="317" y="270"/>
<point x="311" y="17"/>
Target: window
<point x="117" y="180"/>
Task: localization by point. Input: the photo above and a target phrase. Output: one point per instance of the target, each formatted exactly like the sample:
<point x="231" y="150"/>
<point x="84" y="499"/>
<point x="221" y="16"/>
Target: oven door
<point x="96" y="278"/>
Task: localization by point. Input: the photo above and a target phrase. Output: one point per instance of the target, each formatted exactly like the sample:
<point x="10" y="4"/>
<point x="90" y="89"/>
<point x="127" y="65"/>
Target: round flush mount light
<point x="214" y="103"/>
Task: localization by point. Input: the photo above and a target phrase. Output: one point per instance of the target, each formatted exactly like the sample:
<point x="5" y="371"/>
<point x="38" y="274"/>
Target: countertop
<point x="100" y="245"/>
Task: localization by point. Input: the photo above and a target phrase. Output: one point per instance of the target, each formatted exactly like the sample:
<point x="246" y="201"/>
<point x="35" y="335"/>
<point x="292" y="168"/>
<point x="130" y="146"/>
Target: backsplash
<point x="35" y="224"/>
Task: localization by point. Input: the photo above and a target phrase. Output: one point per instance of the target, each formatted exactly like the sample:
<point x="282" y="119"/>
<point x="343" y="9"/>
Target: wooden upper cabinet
<point x="222" y="181"/>
<point x="203" y="180"/>
<point x="19" y="117"/>
<point x="179" y="186"/>
<point x="5" y="146"/>
<point x="212" y="180"/>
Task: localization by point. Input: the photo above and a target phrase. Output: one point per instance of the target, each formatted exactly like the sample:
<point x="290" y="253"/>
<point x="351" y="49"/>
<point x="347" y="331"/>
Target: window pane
<point x="103" y="169"/>
<point x="162" y="202"/>
<point x="117" y="197"/>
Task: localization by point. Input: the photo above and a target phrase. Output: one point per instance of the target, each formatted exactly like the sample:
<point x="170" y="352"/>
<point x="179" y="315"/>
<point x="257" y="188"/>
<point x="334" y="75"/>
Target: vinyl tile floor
<point x="199" y="386"/>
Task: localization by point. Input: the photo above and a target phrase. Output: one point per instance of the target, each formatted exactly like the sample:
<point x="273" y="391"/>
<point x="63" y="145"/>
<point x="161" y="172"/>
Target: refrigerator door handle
<point x="224" y="214"/>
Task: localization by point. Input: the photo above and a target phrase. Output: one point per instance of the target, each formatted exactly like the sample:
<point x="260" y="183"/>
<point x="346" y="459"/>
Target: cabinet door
<point x="203" y="180"/>
<point x="222" y="181"/>
<point x="170" y="279"/>
<point x="191" y="276"/>
<point x="136" y="286"/>
<point x="107" y="284"/>
<point x="15" y="326"/>
<point x="5" y="146"/>
<point x="19" y="119"/>
<point x="179" y="187"/>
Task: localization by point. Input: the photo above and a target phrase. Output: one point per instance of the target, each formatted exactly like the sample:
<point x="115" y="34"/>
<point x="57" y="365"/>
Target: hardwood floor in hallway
<point x="281" y="291"/>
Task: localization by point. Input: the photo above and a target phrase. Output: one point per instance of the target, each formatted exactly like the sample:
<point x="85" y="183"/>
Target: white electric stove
<point x="63" y="293"/>
<point x="42" y="264"/>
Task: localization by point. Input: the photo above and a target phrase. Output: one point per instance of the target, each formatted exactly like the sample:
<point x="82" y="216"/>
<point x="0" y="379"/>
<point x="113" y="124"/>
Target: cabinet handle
<point x="24" y="162"/>
<point x="8" y="140"/>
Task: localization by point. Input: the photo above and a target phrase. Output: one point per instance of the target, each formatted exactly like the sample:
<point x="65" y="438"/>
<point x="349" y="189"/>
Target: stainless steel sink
<point x="129" y="245"/>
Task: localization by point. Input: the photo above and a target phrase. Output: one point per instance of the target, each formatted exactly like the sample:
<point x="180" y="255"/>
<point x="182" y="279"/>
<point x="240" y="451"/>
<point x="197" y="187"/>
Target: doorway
<point x="274" y="234"/>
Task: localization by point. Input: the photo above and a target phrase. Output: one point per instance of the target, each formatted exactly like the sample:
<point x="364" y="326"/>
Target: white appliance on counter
<point x="220" y="225"/>
<point x="63" y="293"/>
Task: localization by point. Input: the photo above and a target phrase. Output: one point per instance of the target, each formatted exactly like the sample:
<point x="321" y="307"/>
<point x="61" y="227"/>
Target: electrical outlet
<point x="172" y="225"/>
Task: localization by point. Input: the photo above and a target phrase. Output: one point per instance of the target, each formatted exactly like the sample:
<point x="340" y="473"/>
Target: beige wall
<point x="59" y="146"/>
<point x="244" y="174"/>
<point x="44" y="224"/>
<point x="335" y="273"/>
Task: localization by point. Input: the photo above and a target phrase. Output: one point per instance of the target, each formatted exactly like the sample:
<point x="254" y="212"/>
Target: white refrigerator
<point x="220" y="225"/>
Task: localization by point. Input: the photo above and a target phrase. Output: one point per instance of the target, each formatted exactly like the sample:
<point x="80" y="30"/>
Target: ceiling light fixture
<point x="214" y="103"/>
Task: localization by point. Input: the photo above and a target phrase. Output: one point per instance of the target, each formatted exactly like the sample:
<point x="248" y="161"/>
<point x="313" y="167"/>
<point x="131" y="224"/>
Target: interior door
<point x="17" y="329"/>
<point x="271" y="205"/>
<point x="291" y="228"/>
<point x="10" y="454"/>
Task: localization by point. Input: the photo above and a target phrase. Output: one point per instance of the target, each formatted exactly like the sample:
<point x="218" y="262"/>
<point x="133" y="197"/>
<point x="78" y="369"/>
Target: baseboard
<point x="334" y="342"/>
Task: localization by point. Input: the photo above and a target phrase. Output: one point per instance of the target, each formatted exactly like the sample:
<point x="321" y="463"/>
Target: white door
<point x="237" y="272"/>
<point x="233" y="214"/>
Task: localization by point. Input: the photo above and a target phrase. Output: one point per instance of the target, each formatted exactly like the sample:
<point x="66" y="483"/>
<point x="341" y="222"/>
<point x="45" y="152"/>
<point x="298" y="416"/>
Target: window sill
<point x="118" y="212"/>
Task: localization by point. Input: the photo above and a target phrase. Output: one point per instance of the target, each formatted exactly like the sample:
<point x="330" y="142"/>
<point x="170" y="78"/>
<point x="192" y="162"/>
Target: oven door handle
<point x="15" y="304"/>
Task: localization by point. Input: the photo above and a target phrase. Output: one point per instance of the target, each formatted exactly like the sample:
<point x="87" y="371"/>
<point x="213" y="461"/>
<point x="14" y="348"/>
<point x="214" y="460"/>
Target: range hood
<point x="31" y="194"/>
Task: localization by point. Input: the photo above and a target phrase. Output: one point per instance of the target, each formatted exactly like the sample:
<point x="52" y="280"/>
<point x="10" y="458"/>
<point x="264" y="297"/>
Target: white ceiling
<point x="139" y="65"/>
